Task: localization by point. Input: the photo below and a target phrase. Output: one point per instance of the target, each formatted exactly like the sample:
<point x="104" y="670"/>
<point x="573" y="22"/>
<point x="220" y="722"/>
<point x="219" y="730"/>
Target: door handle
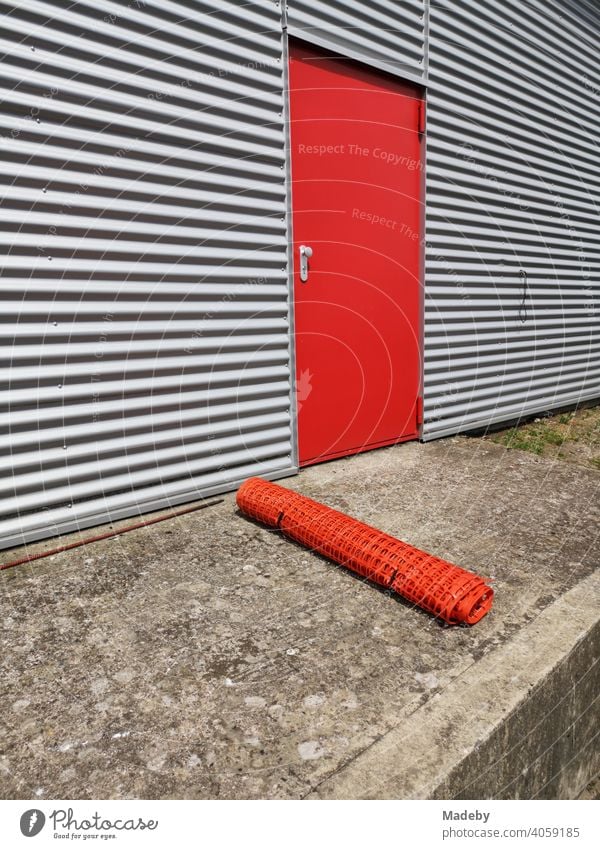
<point x="305" y="255"/>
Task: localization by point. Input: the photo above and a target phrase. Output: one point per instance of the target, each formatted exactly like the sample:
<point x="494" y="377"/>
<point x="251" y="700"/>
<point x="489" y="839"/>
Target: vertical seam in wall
<point x="425" y="41"/>
<point x="289" y="230"/>
<point x="423" y="200"/>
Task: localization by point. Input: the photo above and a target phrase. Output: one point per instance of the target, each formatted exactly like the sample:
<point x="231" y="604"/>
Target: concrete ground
<point x="209" y="657"/>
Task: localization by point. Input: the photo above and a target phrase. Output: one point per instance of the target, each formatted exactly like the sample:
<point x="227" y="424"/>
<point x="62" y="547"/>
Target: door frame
<point x="422" y="86"/>
<point x="290" y="240"/>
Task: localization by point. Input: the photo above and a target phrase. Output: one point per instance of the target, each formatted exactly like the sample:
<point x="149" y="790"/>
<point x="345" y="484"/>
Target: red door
<point x="356" y="171"/>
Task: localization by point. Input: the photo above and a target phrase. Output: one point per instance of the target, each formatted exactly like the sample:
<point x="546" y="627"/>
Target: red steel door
<point x="356" y="171"/>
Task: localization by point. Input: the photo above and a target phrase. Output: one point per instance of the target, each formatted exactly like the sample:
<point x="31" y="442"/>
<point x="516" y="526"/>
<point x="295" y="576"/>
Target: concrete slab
<point x="520" y="723"/>
<point x="208" y="657"/>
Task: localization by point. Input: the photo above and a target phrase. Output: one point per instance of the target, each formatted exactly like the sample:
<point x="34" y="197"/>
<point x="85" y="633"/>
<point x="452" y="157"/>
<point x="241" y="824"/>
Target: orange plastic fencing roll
<point x="446" y="591"/>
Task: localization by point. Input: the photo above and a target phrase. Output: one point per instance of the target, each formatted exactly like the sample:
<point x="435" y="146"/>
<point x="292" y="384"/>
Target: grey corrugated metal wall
<point x="144" y="287"/>
<point x="384" y="33"/>
<point x="513" y="210"/>
<point x="145" y="299"/>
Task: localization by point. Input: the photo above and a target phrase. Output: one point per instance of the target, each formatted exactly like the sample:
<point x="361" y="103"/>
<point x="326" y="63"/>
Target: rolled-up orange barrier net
<point x="447" y="591"/>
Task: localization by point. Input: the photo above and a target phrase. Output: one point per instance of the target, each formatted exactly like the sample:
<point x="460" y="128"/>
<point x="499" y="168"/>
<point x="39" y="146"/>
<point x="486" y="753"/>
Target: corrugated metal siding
<point x="513" y="187"/>
<point x="145" y="308"/>
<point x="388" y="34"/>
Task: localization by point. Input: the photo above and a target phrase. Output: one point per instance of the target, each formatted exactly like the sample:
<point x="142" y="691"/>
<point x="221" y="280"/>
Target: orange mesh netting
<point x="447" y="591"/>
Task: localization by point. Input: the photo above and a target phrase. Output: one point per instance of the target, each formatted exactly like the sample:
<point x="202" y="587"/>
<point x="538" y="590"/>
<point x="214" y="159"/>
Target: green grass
<point x="571" y="437"/>
<point x="531" y="437"/>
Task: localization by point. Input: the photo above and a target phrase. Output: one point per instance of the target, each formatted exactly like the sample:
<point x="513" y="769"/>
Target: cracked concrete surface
<point x="208" y="657"/>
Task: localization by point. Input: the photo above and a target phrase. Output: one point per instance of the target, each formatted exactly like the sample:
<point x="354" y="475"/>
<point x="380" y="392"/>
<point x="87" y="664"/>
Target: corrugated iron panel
<point x="145" y="352"/>
<point x="385" y="34"/>
<point x="513" y="201"/>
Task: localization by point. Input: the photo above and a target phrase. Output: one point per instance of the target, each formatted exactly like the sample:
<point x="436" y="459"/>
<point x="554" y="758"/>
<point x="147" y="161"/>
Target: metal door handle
<point x="305" y="255"/>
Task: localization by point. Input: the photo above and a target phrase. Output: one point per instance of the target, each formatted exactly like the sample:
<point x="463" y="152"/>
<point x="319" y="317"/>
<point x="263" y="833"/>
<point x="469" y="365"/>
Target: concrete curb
<point x="520" y="723"/>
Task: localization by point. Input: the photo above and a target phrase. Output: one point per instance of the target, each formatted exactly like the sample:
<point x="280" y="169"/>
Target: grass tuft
<point x="571" y="437"/>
